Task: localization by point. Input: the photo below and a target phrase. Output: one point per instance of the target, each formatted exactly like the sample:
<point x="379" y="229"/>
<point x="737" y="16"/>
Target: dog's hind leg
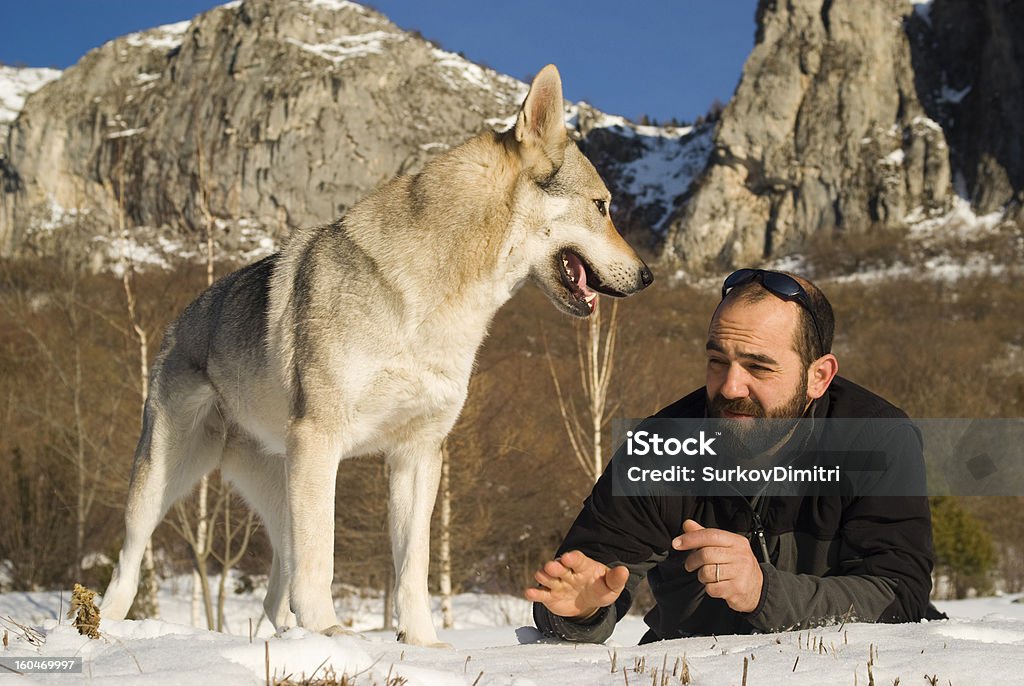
<point x="415" y="474"/>
<point x="182" y="439"/>
<point x="260" y="478"/>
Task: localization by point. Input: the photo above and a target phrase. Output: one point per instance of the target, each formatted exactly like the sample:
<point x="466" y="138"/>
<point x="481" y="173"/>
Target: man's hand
<point x="576" y="586"/>
<point x="724" y="563"/>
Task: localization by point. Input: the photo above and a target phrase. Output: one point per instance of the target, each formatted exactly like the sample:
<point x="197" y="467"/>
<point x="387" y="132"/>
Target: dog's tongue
<point x="579" y="274"/>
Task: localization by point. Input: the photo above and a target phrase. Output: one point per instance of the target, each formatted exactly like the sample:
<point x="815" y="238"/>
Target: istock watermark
<point x="832" y="456"/>
<point x="646" y="443"/>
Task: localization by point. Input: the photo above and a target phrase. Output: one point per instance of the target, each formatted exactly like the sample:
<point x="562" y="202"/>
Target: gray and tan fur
<point x="359" y="337"/>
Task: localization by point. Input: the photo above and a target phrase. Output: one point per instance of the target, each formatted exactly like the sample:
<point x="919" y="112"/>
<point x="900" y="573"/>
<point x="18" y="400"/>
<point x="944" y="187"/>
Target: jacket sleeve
<point x="885" y="556"/>
<point x="596" y="629"/>
<point x="616" y="531"/>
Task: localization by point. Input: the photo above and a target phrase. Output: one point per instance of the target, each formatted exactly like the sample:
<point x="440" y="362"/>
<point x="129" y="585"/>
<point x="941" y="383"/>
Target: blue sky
<point x="668" y="58"/>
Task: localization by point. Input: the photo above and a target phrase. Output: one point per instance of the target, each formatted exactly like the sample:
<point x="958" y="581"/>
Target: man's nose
<point x="735" y="385"/>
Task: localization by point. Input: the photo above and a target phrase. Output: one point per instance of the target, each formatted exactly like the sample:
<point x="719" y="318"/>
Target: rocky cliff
<point x="969" y="66"/>
<point x="263" y="115"/>
<point x="854" y="115"/>
<point x="280" y="113"/>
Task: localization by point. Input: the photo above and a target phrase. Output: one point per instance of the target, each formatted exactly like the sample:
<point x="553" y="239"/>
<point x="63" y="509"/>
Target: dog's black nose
<point x="646" y="277"/>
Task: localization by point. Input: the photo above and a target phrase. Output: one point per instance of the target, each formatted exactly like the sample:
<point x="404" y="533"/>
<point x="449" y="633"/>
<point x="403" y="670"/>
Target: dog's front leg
<point x="312" y="468"/>
<point x="415" y="473"/>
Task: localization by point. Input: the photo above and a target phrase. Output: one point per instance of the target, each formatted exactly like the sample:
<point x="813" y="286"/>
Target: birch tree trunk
<point x="595" y="357"/>
<point x="200" y="585"/>
<point x="147" y="602"/>
<point x="389" y="598"/>
<point x="230" y="555"/>
<point x="445" y="547"/>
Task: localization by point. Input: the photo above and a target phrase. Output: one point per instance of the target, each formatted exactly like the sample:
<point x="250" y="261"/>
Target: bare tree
<point x="147" y="603"/>
<point x="595" y="353"/>
<point x="445" y="545"/>
<point x="200" y="540"/>
<point x="229" y="555"/>
<point x="362" y="550"/>
<point x="197" y="530"/>
<point x="79" y="433"/>
<point x="233" y="539"/>
<point x="463" y="516"/>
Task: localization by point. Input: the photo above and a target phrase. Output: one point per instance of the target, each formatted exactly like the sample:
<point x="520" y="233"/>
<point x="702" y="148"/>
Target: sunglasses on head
<point x="779" y="284"/>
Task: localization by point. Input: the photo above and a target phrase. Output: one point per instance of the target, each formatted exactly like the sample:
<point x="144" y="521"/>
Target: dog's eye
<point x="602" y="207"/>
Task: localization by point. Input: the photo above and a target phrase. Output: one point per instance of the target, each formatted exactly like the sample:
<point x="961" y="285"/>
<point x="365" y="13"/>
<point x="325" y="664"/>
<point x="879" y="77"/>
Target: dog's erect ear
<point x="540" y="127"/>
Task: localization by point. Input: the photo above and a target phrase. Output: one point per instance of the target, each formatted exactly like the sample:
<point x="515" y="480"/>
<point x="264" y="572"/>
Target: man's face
<point x="753" y="368"/>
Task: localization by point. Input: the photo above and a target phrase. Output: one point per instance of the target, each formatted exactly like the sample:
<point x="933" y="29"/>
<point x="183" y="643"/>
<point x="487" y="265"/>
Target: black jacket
<point x="832" y="557"/>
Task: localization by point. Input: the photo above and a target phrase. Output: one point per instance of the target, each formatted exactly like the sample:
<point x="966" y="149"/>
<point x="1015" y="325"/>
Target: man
<point x="735" y="564"/>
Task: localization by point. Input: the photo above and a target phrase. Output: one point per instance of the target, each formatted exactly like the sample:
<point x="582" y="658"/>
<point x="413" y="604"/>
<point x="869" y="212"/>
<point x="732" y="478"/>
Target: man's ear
<point x="820" y="375"/>
<point x="540" y="126"/>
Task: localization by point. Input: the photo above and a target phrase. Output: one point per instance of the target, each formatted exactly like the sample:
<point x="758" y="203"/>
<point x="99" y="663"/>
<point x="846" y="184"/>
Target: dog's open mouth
<point x="574" y="277"/>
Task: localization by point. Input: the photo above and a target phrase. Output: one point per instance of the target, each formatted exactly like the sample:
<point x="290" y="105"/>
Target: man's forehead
<point x="763" y="327"/>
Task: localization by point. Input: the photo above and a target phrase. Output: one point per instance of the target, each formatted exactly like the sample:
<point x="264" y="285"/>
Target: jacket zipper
<point x="759" y="532"/>
<point x="759" y="529"/>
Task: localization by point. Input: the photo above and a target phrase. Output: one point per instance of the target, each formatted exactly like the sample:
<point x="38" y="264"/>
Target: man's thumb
<point x="690" y="525"/>
<point x="616" y="578"/>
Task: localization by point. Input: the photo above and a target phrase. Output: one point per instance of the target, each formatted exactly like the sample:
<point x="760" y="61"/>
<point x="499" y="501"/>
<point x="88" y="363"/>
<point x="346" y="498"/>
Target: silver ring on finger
<point x="717" y="575"/>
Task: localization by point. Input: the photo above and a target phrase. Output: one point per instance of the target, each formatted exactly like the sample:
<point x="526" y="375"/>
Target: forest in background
<point x="71" y="393"/>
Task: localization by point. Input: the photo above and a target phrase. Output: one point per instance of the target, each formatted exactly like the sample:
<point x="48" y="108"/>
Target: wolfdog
<point x="359" y="338"/>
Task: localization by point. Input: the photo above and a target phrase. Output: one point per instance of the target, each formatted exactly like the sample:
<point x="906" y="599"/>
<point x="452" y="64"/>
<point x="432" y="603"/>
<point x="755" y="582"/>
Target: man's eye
<point x="602" y="207"/>
<point x="714" y="361"/>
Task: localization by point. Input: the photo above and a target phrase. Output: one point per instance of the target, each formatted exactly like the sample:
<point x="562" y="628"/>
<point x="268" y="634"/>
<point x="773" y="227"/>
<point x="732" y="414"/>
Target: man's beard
<point x="749" y="438"/>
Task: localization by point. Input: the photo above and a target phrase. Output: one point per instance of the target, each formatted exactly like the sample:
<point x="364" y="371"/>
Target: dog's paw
<point x="441" y="644"/>
<point x="338" y="630"/>
<point x="404" y="638"/>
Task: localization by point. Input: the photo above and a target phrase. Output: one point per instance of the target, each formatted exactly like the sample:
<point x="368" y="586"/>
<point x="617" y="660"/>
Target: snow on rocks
<point x="16" y="84"/>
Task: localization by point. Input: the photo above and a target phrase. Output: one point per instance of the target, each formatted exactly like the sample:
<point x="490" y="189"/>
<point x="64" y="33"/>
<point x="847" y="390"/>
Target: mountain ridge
<point x="260" y="116"/>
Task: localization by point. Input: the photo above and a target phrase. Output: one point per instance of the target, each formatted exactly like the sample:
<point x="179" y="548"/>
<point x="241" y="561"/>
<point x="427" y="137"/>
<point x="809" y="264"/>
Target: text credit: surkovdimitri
<point x="643" y="443"/>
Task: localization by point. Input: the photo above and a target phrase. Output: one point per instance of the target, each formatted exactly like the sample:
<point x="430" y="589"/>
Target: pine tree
<point x="963" y="545"/>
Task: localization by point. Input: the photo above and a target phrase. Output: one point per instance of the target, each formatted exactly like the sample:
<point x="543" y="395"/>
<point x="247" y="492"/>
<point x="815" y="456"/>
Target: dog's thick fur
<point x="359" y="337"/>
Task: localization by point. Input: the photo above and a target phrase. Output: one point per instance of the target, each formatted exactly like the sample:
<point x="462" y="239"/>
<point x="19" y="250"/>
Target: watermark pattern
<point x="801" y="457"/>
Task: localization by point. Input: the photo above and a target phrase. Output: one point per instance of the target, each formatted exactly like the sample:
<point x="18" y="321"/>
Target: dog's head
<point x="575" y="250"/>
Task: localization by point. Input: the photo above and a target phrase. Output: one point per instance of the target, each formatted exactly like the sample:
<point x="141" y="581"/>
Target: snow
<point x="349" y="47"/>
<point x="961" y="220"/>
<point x="939" y="268"/>
<point x="457" y="71"/>
<point x="953" y="96"/>
<point x="126" y="133"/>
<point x="921" y="120"/>
<point x="256" y="243"/>
<point x="895" y="158"/>
<point x="494" y="643"/>
<point x="58" y="216"/>
<point x="672" y="158"/>
<point x="666" y="169"/>
<point x="16" y="84"/>
<point x="335" y="5"/>
<point x="923" y="9"/>
<point x="619" y="124"/>
<point x="166" y="37"/>
<point x="120" y="250"/>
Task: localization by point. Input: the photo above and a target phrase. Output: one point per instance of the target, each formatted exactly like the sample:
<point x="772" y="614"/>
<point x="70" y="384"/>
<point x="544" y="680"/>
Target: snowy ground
<point x="494" y="643"/>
